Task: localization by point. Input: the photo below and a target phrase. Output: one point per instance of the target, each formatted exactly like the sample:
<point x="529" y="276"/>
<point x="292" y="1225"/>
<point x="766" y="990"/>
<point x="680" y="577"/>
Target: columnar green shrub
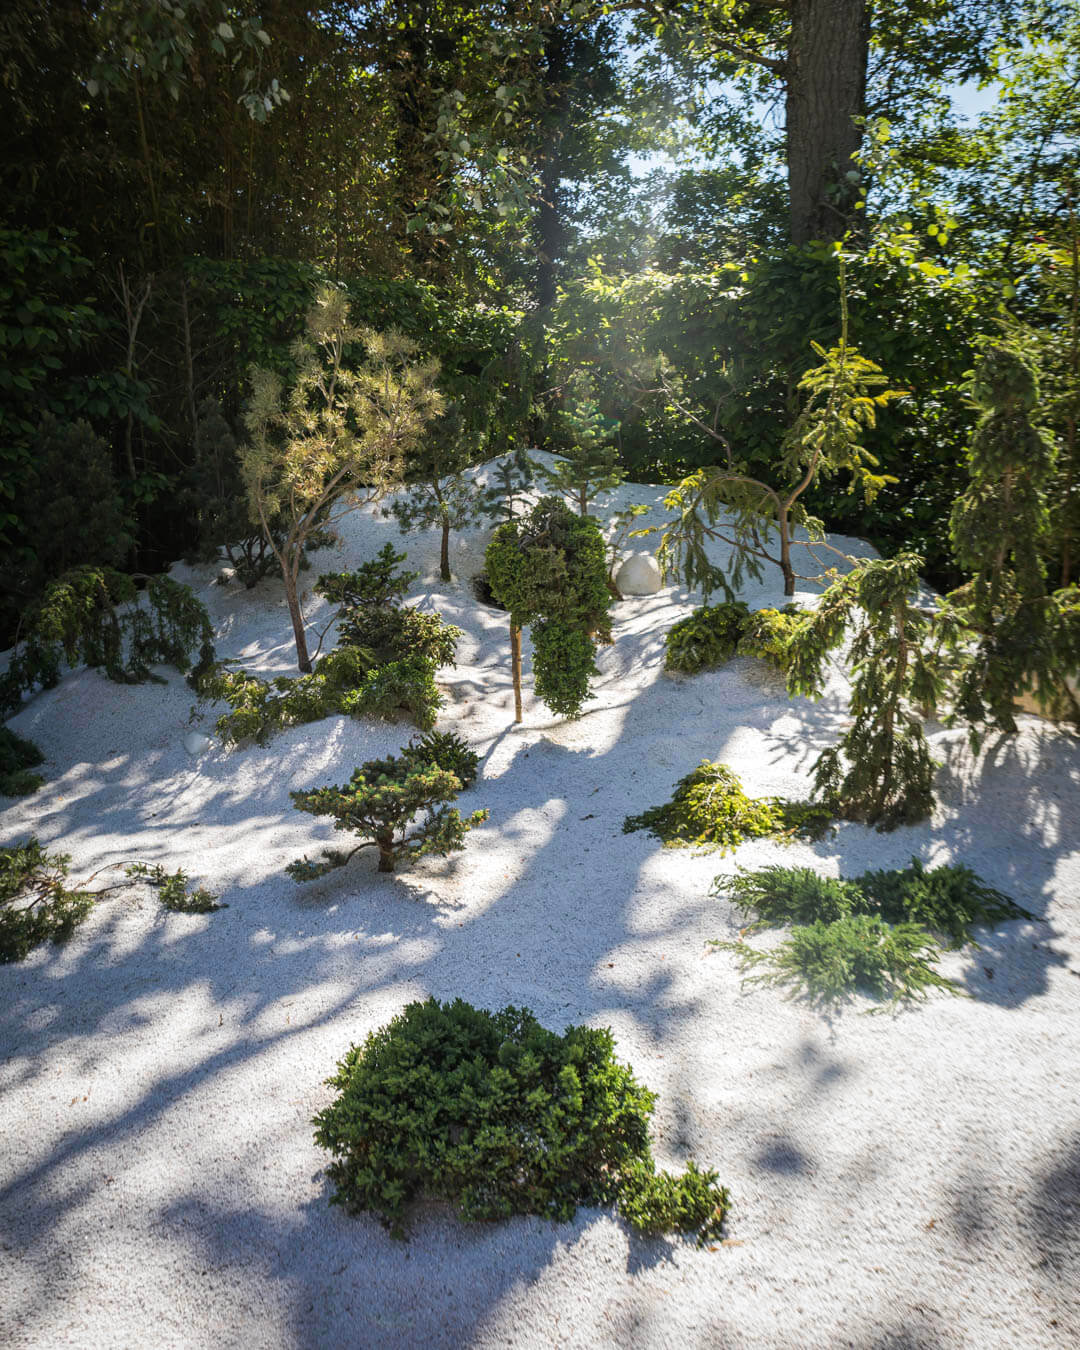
<point x="548" y="568"/>
<point x="17" y="757"/>
<point x="711" y="810"/>
<point x="495" y="1115"/>
<point x="98" y="617"/>
<point x="380" y="803"/>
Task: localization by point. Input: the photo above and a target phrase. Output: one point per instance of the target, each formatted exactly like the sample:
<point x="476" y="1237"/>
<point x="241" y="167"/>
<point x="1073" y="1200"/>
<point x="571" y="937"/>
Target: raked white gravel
<point x="908" y="1181"/>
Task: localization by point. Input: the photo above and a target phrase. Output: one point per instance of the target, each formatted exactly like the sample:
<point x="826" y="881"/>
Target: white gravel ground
<point x="908" y="1181"/>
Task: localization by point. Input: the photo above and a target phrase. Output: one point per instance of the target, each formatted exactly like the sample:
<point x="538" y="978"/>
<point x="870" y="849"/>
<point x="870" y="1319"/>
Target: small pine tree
<point x="587" y="463"/>
<point x="882" y="771"/>
<point x="380" y="803"/>
<point x="1025" y="638"/>
<point x="337" y="441"/>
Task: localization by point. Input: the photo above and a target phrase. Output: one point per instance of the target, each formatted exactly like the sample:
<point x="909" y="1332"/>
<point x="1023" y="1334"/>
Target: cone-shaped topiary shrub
<point x="496" y="1115"/>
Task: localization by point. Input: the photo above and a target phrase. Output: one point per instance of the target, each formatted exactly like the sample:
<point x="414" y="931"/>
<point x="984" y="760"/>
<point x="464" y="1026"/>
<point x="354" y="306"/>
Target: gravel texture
<point x="898" y="1181"/>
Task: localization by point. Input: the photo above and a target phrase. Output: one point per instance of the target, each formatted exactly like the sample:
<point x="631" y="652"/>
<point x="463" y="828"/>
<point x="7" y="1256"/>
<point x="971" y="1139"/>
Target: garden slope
<point x="908" y="1181"/>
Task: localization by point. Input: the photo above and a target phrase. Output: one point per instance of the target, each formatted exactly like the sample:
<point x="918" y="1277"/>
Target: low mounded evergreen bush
<point x="495" y="1115"/>
<point x="17" y="757"/>
<point x="710" y="810"/>
<point x="877" y="932"/>
<point x="766" y="634"/>
<point x="705" y="639"/>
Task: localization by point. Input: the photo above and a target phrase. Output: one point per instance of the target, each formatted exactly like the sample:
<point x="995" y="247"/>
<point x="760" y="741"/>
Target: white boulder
<point x="195" y="743"/>
<point x="638" y="575"/>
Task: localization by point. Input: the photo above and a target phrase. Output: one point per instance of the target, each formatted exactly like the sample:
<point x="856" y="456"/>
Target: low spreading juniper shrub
<point x="495" y="1115"/>
<point x="706" y="638"/>
<point x="17" y="757"/>
<point x="172" y="889"/>
<point x="406" y="631"/>
<point x="766" y="634"/>
<point x="949" y="900"/>
<point x="35" y="904"/>
<point x="861" y="952"/>
<point x="710" y="810"/>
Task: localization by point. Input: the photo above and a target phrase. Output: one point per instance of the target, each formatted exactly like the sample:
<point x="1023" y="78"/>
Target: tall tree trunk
<point x="515" y="666"/>
<point x="826" y="90"/>
<point x="444" y="551"/>
<point x="303" y="660"/>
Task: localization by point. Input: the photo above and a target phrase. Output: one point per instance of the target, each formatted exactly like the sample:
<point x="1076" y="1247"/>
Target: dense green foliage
<point x="17" y="757"/>
<point x="710" y="810"/>
<point x="882" y="771"/>
<point x="828" y="961"/>
<point x="705" y="639"/>
<point x="549" y="569"/>
<point x="713" y="634"/>
<point x="495" y="1115"/>
<point x="97" y="617"/>
<point x="380" y="803"/>
<point x="35" y="904"/>
<point x="587" y="462"/>
<point x="949" y="900"/>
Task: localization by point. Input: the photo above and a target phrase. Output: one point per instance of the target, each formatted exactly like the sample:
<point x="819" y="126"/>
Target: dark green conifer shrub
<point x="392" y="633"/>
<point x="705" y="639"/>
<point x="97" y="617"/>
<point x="495" y="1115"/>
<point x="17" y="757"/>
<point x="379" y="804"/>
<point x="376" y="583"/>
<point x="35" y="904"/>
<point x="711" y="810"/>
<point x="827" y="961"/>
<point x="549" y="569"/>
<point x="448" y="751"/>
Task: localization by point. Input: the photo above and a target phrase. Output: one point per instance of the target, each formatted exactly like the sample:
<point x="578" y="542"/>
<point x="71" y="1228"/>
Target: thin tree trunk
<point x="785" y="555"/>
<point x="444" y="551"/>
<point x="826" y="90"/>
<point x="515" y="666"/>
<point x="297" y="617"/>
<point x="385" y="841"/>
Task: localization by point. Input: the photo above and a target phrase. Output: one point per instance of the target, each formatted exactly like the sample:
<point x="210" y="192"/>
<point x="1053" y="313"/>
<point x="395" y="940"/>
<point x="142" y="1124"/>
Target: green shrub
<point x="705" y="639"/>
<point x="375" y="584"/>
<point x="495" y="1115"/>
<point x="97" y="617"/>
<point x="766" y="633"/>
<point x="35" y="905"/>
<point x="393" y="633"/>
<point x="827" y="961"/>
<point x="549" y="569"/>
<point x="172" y="889"/>
<point x="379" y="804"/>
<point x="949" y="900"/>
<point x="448" y="751"/>
<point x="710" y="810"/>
<point x="17" y="757"/>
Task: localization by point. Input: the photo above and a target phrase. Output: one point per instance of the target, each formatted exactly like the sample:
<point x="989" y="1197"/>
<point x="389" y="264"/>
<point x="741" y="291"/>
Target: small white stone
<point x="638" y="575"/>
<point x="195" y="743"/>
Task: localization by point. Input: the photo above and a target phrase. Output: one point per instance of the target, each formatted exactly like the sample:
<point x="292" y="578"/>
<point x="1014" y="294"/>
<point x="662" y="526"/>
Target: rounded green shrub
<point x="17" y="757"/>
<point x="447" y="751"/>
<point x="766" y="633"/>
<point x="495" y="1115"/>
<point x="711" y="810"/>
<point x="705" y="639"/>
